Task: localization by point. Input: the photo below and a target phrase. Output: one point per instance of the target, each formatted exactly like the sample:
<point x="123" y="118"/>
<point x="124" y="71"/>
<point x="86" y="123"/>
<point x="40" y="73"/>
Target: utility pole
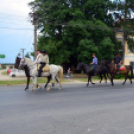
<point x="33" y="16"/>
<point x="22" y="50"/>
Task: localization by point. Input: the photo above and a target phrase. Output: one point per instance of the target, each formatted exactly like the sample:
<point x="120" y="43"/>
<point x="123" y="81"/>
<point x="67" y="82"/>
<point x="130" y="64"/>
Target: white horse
<point x="56" y="71"/>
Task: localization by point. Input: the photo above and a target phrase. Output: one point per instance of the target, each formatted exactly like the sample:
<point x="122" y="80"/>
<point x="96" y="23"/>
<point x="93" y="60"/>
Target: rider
<point x="117" y="60"/>
<point x="44" y="59"/>
<point x="94" y="63"/>
<point x="38" y="52"/>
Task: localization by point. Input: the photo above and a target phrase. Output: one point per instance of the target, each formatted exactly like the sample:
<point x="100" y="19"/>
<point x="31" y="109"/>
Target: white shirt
<point x="38" y="60"/>
<point x="43" y="58"/>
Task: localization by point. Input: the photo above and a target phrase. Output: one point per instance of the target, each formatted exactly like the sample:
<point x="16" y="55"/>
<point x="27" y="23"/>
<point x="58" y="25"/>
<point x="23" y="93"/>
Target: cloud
<point x="15" y="6"/>
<point x="13" y="26"/>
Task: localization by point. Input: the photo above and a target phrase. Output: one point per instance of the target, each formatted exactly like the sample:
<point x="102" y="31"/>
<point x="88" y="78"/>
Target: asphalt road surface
<point x="74" y="110"/>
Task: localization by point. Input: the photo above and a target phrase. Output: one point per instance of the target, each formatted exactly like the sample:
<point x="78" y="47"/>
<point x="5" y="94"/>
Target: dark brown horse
<point x="17" y="62"/>
<point x="112" y="71"/>
<point x="100" y="70"/>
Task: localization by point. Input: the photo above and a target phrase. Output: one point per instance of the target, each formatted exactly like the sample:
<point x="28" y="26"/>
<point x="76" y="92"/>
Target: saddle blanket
<point x="46" y="68"/>
<point x="122" y="67"/>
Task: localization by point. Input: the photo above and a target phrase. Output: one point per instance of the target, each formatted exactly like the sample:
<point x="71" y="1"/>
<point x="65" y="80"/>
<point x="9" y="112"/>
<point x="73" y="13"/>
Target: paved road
<point x="74" y="110"/>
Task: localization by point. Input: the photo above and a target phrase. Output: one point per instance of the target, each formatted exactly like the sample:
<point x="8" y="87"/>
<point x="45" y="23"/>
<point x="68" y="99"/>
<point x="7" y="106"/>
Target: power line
<point x="10" y="51"/>
<point x="16" y="28"/>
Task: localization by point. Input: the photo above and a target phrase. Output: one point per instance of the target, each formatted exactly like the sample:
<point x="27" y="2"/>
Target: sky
<point x="16" y="30"/>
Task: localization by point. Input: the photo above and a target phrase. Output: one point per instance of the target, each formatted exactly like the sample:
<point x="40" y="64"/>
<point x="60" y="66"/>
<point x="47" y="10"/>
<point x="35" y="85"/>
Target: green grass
<point x="18" y="82"/>
<point x="15" y="82"/>
<point x="4" y="73"/>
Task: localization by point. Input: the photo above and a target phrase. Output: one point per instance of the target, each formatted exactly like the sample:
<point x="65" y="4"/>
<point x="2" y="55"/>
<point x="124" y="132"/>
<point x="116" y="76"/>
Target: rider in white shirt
<point x="44" y="59"/>
<point x="38" y="60"/>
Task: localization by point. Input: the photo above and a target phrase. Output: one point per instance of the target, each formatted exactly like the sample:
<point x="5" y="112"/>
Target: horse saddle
<point x="122" y="67"/>
<point x="46" y="68"/>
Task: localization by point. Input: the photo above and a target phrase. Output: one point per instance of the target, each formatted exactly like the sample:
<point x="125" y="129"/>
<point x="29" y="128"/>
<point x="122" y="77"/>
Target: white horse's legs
<point x="34" y="83"/>
<point x="60" y="86"/>
<point x="53" y="79"/>
<point x="49" y="87"/>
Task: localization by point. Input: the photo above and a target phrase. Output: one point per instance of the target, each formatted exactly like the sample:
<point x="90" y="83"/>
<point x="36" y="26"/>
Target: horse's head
<point x="79" y="66"/>
<point x="17" y="62"/>
<point x="22" y="63"/>
<point x="104" y="62"/>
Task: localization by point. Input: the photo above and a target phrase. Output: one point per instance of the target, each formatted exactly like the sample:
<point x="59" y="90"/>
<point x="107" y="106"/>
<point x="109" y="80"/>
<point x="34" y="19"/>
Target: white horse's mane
<point x="29" y="60"/>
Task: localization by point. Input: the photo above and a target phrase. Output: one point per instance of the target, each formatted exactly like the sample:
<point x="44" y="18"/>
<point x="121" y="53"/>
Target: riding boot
<point x="118" y="69"/>
<point x="118" y="72"/>
<point x="39" y="73"/>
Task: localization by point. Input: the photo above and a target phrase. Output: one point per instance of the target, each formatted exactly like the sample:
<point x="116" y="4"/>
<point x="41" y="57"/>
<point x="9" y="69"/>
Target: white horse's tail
<point x="60" y="73"/>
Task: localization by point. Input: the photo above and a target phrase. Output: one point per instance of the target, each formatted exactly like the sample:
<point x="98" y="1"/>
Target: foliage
<point x="131" y="44"/>
<point x="27" y="55"/>
<point x="11" y="67"/>
<point x="70" y="31"/>
<point x="125" y="19"/>
<point x="3" y="66"/>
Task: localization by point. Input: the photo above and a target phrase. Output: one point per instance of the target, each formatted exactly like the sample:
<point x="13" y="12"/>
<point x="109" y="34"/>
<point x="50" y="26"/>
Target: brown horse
<point x="112" y="71"/>
<point x="17" y="62"/>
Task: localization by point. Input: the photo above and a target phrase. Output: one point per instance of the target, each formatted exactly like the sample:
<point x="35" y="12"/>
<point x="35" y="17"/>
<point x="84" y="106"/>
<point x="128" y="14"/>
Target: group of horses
<point x="105" y="69"/>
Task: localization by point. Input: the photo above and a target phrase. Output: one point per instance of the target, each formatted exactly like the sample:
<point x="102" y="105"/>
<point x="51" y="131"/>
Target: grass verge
<point x="4" y="73"/>
<point x="18" y="82"/>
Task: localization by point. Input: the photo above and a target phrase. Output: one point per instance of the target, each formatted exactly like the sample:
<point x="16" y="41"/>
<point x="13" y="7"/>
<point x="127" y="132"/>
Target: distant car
<point x="17" y="73"/>
<point x="11" y="70"/>
<point x="8" y="71"/>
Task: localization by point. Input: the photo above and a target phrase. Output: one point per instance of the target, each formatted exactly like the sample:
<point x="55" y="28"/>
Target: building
<point x="129" y="56"/>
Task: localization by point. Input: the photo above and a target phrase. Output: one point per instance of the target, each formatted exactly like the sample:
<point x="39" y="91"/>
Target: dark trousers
<point x="94" y="66"/>
<point x="41" y="67"/>
<point x="118" y="67"/>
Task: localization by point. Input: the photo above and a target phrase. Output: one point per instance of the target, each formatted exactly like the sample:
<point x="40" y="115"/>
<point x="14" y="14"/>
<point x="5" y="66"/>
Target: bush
<point x="3" y="66"/>
<point x="11" y="67"/>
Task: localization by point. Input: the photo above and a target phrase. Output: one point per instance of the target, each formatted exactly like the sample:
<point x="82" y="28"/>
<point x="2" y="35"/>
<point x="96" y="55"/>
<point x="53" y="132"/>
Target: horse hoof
<point x="53" y="84"/>
<point x="48" y="89"/>
<point x="32" y="89"/>
<point x="60" y="88"/>
<point x="39" y="87"/>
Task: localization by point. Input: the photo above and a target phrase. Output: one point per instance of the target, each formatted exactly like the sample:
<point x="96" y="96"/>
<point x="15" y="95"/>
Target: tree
<point x="126" y="20"/>
<point x="27" y="55"/>
<point x="74" y="29"/>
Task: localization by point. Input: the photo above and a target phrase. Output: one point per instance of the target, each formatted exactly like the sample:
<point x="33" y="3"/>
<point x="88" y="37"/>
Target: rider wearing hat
<point x="117" y="60"/>
<point x="44" y="59"/>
